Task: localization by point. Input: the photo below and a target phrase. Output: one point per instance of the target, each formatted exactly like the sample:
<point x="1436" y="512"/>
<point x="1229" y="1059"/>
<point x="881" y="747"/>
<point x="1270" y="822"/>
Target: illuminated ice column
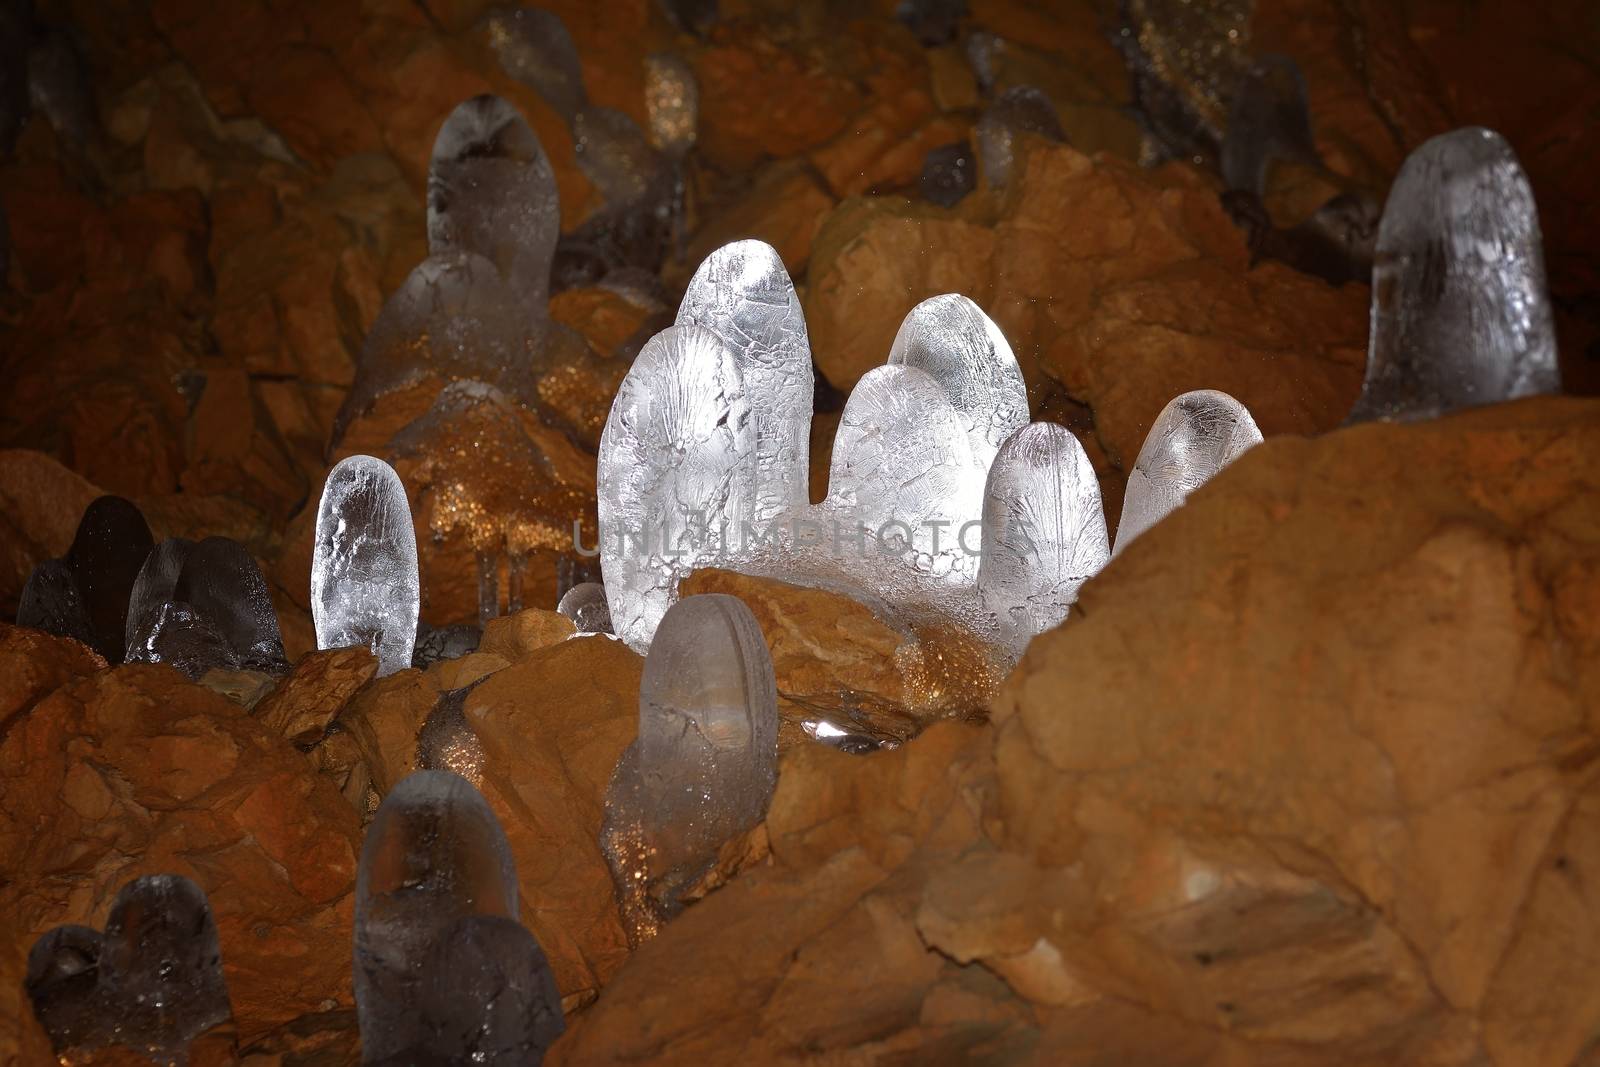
<point x="1460" y="309"/>
<point x="1194" y="437"/>
<point x="743" y="294"/>
<point x="1044" y="531"/>
<point x="951" y="339"/>
<point x="676" y="474"/>
<point x="706" y="760"/>
<point x="433" y="855"/>
<point x="364" y="587"/>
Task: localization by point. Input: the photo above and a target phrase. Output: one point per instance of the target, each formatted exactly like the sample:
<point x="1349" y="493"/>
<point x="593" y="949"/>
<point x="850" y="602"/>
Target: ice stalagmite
<point x="1460" y="309"/>
<point x="491" y="191"/>
<point x="743" y="294"/>
<point x="534" y="47"/>
<point x="1194" y="437"/>
<point x="153" y="587"/>
<point x="954" y="341"/>
<point x="50" y="601"/>
<point x="224" y="586"/>
<point x="433" y="855"/>
<point x="672" y="100"/>
<point x="903" y="480"/>
<point x="676" y="474"/>
<point x="1019" y="111"/>
<point x="454" y="318"/>
<point x="1044" y="531"/>
<point x="488" y="995"/>
<point x="585" y="605"/>
<point x="151" y="982"/>
<point x="705" y="763"/>
<point x="364" y="588"/>
<point x="1270" y="120"/>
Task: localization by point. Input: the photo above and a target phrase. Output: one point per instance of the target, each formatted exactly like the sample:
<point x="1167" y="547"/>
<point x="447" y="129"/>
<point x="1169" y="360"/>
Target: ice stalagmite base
<point x="676" y="474"/>
<point x="705" y="764"/>
<point x="1460" y="308"/>
<point x="364" y="587"/>
<point x="743" y="294"/>
<point x="1194" y="437"/>
<point x="1044" y="531"/>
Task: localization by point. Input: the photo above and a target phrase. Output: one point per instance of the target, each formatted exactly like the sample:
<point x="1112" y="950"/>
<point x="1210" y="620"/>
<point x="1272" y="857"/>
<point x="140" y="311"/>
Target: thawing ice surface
<point x="903" y="481"/>
<point x="705" y="763"/>
<point x="491" y="191"/>
<point x="364" y="586"/>
<point x="954" y="341"/>
<point x="153" y="981"/>
<point x="672" y="100"/>
<point x="110" y="546"/>
<point x="1270" y="119"/>
<point x="224" y="586"/>
<point x="743" y="294"/>
<point x="534" y="47"/>
<point x="1044" y="531"/>
<point x="1460" y="309"/>
<point x="489" y="996"/>
<point x="175" y="633"/>
<point x="153" y="587"/>
<point x="949" y="173"/>
<point x="434" y="854"/>
<point x="1020" y="110"/>
<point x="50" y="602"/>
<point x="585" y="604"/>
<point x="676" y="474"/>
<point x="1194" y="437"/>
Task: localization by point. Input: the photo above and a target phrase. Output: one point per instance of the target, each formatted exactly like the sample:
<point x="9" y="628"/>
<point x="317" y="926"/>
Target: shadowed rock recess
<point x="423" y="423"/>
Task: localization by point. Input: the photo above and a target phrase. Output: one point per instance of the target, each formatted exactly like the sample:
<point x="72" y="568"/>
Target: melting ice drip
<point x="444" y="971"/>
<point x="152" y="981"/>
<point x="364" y="588"/>
<point x="705" y="763"/>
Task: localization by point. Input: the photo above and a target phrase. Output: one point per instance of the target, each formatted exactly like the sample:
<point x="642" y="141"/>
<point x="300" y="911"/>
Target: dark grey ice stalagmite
<point x="1461" y="311"/>
<point x="51" y="602"/>
<point x="106" y="555"/>
<point x="222" y="583"/>
<point x="489" y="996"/>
<point x="176" y="634"/>
<point x="1019" y="111"/>
<point x="364" y="585"/>
<point x="153" y="587"/>
<point x="151" y="982"/>
<point x="534" y="47"/>
<point x="1269" y="120"/>
<point x="705" y="763"/>
<point x="433" y="855"/>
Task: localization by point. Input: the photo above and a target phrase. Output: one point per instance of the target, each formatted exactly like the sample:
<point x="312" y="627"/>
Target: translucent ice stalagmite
<point x="224" y="586"/>
<point x="676" y="474"/>
<point x="364" y="588"/>
<point x="534" y="47"/>
<point x="109" y="548"/>
<point x="585" y="604"/>
<point x="433" y="855"/>
<point x="743" y="294"/>
<point x="1044" y="531"/>
<point x="491" y="191"/>
<point x="1194" y="437"/>
<point x="954" y="341"/>
<point x="1460" y="309"/>
<point x="153" y="587"/>
<point x="705" y="764"/>
<point x="1269" y="120"/>
<point x="903" y="478"/>
<point x="489" y="996"/>
<point x="176" y="634"/>
<point x="454" y="318"/>
<point x="51" y="602"/>
<point x="63" y="983"/>
<point x="1019" y="111"/>
<point x="161" y="964"/>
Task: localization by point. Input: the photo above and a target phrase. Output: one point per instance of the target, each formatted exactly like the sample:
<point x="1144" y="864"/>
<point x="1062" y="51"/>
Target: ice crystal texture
<point x="491" y="191"/>
<point x="903" y="480"/>
<point x="364" y="588"/>
<point x="434" y="854"/>
<point x="153" y="587"/>
<point x="585" y="604"/>
<point x="1461" y="313"/>
<point x="743" y="294"/>
<point x="954" y="341"/>
<point x="488" y="995"/>
<point x="705" y="763"/>
<point x="1044" y="531"/>
<point x="676" y="475"/>
<point x="152" y="982"/>
<point x="454" y="318"/>
<point x="1194" y="437"/>
<point x="176" y="634"/>
<point x="224" y="586"/>
<point x="1020" y="110"/>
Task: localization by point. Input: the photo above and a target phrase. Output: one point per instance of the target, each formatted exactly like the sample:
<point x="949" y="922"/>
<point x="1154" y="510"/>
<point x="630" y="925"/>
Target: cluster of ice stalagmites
<point x="444" y="971"/>
<point x="152" y="981"/>
<point x="705" y="763"/>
